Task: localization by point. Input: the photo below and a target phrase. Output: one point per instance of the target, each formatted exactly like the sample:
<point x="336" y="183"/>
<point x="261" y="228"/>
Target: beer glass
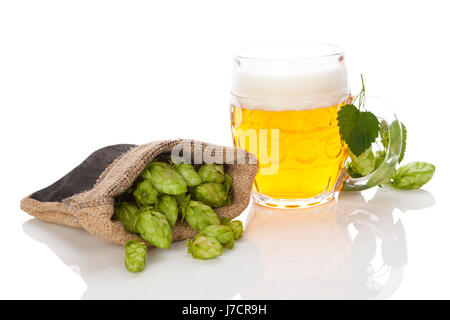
<point x="285" y="102"/>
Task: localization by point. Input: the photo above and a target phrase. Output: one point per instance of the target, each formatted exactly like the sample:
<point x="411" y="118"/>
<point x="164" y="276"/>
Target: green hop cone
<point x="153" y="226"/>
<point x="169" y="206"/>
<point x="166" y="179"/>
<point x="126" y="213"/>
<point x="404" y="137"/>
<point x="227" y="185"/>
<point x="180" y="198"/>
<point x="384" y="134"/>
<point x="212" y="173"/>
<point x="212" y="194"/>
<point x="364" y="164"/>
<point x="204" y="248"/>
<point x="189" y="174"/>
<point x="145" y="194"/>
<point x="146" y="174"/>
<point x="135" y="255"/>
<point x="223" y="234"/>
<point x="235" y="225"/>
<point x="352" y="172"/>
<point x="199" y="215"/>
<point x="126" y="196"/>
<point x="412" y="175"/>
<point x="182" y="206"/>
<point x="379" y="158"/>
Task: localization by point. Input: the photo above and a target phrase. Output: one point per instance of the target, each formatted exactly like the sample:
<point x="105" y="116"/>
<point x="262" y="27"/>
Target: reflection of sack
<point x="84" y="198"/>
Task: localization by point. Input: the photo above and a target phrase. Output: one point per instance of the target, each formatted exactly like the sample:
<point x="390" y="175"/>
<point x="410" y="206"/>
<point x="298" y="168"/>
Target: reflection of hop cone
<point x="84" y="198"/>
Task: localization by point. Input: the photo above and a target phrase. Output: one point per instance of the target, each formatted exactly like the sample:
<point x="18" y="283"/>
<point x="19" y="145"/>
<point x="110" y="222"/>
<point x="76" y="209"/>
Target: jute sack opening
<point x="84" y="198"/>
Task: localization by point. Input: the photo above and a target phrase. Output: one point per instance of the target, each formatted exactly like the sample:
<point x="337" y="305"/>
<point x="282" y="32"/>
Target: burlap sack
<point x="84" y="198"/>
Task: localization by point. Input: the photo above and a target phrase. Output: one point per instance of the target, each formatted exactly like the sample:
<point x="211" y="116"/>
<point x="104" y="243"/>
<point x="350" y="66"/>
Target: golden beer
<point x="311" y="152"/>
<point x="285" y="102"/>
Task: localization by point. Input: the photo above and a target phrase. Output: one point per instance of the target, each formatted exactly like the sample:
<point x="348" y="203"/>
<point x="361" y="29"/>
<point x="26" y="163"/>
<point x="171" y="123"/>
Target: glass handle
<point x="383" y="111"/>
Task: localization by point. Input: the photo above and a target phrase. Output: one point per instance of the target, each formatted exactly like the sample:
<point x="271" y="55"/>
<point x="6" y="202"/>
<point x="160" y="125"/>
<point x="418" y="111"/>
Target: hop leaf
<point x="358" y="128"/>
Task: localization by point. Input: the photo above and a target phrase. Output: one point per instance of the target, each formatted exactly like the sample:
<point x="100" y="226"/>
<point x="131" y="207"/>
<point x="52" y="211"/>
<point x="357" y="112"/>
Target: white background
<point x="79" y="75"/>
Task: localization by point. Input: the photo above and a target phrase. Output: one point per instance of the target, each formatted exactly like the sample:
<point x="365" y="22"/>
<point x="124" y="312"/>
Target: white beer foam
<point x="301" y="88"/>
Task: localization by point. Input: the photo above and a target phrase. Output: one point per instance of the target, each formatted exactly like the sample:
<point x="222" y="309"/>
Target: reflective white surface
<point x="130" y="74"/>
<point x="353" y="248"/>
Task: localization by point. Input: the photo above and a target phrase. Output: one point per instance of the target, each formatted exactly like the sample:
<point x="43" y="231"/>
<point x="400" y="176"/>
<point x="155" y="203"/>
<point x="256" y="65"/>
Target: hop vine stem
<point x="362" y="94"/>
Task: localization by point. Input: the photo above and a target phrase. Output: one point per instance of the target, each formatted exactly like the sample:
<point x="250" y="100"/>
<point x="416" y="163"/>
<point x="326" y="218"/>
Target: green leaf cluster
<point x="360" y="129"/>
<point x="166" y="193"/>
<point x="213" y="239"/>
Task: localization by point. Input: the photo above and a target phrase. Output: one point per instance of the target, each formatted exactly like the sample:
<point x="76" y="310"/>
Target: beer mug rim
<point x="297" y="64"/>
<point x="290" y="103"/>
<point x="287" y="52"/>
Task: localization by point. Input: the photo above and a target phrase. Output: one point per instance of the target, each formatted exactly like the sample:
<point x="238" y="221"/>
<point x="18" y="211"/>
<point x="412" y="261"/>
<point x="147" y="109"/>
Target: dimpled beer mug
<point x="284" y="108"/>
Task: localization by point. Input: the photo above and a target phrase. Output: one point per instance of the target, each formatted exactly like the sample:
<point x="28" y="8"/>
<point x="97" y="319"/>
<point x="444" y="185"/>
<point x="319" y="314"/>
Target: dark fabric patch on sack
<point x="83" y="177"/>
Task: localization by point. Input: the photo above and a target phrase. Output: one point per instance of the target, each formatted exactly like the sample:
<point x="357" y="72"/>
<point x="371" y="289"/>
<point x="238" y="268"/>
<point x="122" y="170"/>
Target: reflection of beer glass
<point x="285" y="100"/>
